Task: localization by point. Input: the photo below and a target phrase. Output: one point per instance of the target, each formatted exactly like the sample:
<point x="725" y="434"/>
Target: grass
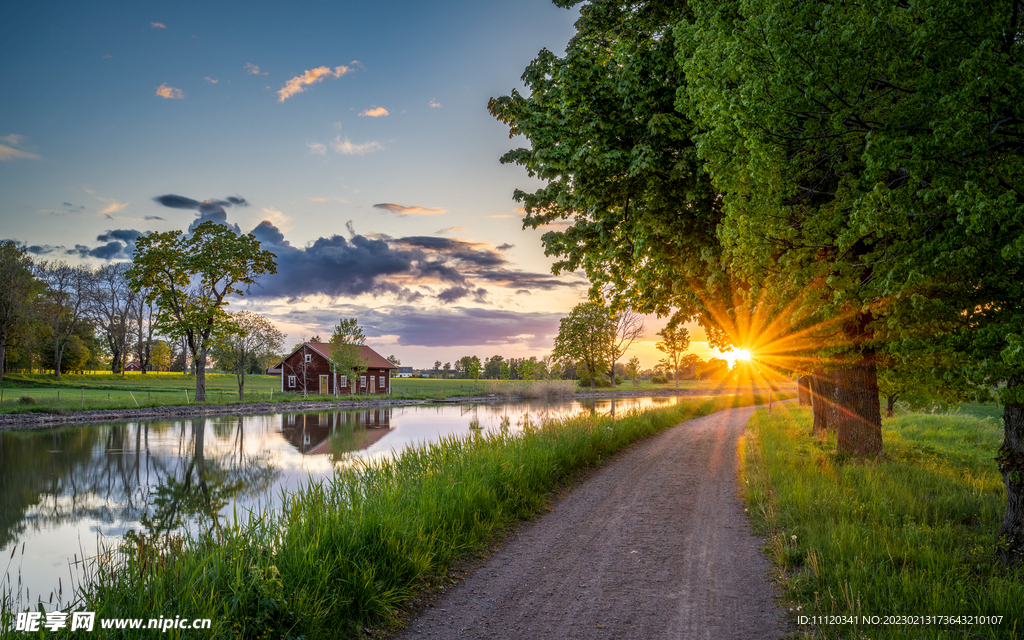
<point x="350" y="553"/>
<point x="914" y="533"/>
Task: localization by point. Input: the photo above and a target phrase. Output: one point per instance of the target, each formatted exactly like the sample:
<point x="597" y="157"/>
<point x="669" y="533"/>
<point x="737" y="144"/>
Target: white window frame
<point x="291" y="382"/>
<point x="362" y="382"/>
<point x="344" y="381"/>
<point x="382" y="385"/>
<point x="309" y="357"/>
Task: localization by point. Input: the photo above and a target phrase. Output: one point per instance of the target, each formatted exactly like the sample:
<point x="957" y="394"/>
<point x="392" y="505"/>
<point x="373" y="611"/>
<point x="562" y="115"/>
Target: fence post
<point x="83" y="398"/>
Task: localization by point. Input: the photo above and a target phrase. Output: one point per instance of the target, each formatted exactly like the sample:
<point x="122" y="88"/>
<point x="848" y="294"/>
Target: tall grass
<point x="349" y="553"/>
<point x="914" y="533"/>
<point x="532" y="390"/>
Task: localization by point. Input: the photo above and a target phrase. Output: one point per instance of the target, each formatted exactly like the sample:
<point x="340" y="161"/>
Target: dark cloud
<point x="153" y="218"/>
<point x="466" y="327"/>
<point x="453" y="294"/>
<point x="466" y="252"/>
<point x="209" y="211"/>
<point x="237" y="201"/>
<point x="525" y="279"/>
<point x="119" y="244"/>
<point x="177" y="202"/>
<point x="505" y="247"/>
<point x="44" y="249"/>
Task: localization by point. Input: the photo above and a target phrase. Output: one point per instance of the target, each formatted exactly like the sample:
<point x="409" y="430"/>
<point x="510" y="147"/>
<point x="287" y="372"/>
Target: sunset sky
<point x="352" y="138"/>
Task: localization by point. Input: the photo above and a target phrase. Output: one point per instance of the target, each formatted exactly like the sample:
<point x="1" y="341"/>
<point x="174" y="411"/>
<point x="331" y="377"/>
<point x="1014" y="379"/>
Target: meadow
<point x="348" y="554"/>
<point x="911" y="534"/>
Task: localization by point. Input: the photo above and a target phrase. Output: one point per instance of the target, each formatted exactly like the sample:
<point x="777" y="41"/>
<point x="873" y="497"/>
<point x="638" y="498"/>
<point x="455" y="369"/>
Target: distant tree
<point x="505" y="370"/>
<point x="675" y="341"/>
<point x="189" y="279"/>
<point x="17" y="289"/>
<point x="248" y="341"/>
<point x="344" y="349"/>
<point x="113" y="301"/>
<point x="633" y="370"/>
<point x="629" y="327"/>
<point x="437" y="368"/>
<point x="447" y="369"/>
<point x="143" y="319"/>
<point x="66" y="305"/>
<point x="160" y="355"/>
<point x="473" y="368"/>
<point x="394" y="360"/>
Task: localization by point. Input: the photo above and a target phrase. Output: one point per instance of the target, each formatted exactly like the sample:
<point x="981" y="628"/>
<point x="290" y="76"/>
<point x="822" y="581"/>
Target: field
<point x="100" y="390"/>
<point x="913" y="533"/>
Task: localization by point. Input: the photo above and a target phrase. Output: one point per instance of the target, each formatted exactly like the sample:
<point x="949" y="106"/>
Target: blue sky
<point x="346" y="134"/>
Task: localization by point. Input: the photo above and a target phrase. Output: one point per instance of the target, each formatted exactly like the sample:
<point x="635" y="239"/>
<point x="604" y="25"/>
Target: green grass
<point x="914" y="533"/>
<point x="349" y="553"/>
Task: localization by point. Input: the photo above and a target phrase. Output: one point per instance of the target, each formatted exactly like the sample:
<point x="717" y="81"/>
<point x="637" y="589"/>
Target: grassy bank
<point x="913" y="534"/>
<point x="347" y="554"/>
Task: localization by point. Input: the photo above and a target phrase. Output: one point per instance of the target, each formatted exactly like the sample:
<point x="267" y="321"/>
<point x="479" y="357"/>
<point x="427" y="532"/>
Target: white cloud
<point x="348" y="148"/>
<point x="158" y="25"/>
<point x="8" y="153"/>
<point x="298" y="84"/>
<point x="435" y="104"/>
<point x="252" y="69"/>
<point x="169" y="92"/>
<point x="211" y="80"/>
<point x="278" y="219"/>
<point x="317" y="148"/>
<point x="375" y="112"/>
<point x="113" y="206"/>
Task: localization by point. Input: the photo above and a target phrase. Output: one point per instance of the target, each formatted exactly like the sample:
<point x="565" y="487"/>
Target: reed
<point x="347" y="554"/>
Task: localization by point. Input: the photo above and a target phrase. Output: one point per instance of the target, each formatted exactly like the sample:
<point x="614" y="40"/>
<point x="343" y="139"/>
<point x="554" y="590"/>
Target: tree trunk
<point x="613" y="375"/>
<point x="57" y="353"/>
<point x="859" y="411"/>
<point x="823" y="399"/>
<point x="3" y="357"/>
<point x="890" y="404"/>
<point x="201" y="375"/>
<point x="803" y="391"/>
<point x="1011" y="466"/>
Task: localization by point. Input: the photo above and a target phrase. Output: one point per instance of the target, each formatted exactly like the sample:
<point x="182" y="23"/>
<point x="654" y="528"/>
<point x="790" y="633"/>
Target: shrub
<point x="659" y="379"/>
<point x="27" y="400"/>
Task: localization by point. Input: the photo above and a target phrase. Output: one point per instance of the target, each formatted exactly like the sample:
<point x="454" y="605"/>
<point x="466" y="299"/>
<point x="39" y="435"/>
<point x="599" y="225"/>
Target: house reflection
<point x="335" y="432"/>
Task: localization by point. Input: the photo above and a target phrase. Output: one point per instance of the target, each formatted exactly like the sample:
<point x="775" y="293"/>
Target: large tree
<point x="17" y="288"/>
<point x="585" y="337"/>
<point x="113" y="302"/>
<point x="249" y="342"/>
<point x="876" y="150"/>
<point x="190" y="279"/>
<point x="675" y="340"/>
<point x="619" y="162"/>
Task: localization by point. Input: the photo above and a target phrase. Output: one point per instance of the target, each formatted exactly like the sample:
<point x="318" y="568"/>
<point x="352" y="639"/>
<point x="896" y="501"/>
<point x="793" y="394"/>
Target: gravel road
<point x="653" y="545"/>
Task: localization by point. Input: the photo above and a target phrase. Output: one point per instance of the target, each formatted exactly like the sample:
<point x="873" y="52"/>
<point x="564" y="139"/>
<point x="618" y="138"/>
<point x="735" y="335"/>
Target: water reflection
<point x="61" y="489"/>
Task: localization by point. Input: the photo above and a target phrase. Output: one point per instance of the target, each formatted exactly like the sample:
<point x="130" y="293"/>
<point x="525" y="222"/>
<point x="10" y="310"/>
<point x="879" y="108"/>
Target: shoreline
<point x="33" y="420"/>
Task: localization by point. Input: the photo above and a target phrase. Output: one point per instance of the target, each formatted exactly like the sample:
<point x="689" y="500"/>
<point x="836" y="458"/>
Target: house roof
<point x="373" y="359"/>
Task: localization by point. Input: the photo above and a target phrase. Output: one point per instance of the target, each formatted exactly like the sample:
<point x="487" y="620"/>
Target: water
<point x="65" y="492"/>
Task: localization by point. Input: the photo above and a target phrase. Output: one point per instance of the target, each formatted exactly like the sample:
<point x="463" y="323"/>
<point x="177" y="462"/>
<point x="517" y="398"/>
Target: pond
<point x="66" y="492"/>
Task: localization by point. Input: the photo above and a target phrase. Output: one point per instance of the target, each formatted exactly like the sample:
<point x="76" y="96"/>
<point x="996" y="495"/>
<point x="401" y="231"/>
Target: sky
<point x="351" y="138"/>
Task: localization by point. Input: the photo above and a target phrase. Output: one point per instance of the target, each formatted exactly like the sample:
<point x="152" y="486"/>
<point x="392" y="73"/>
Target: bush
<point x="659" y="379"/>
<point x="27" y="400"/>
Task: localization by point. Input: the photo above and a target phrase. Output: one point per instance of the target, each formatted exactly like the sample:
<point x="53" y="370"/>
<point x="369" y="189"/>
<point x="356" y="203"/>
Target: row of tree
<point x="834" y="185"/>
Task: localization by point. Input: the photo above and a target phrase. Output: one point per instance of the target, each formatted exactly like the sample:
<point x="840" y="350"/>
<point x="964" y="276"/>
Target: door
<point x="325" y="383"/>
<point x="372" y="379"/>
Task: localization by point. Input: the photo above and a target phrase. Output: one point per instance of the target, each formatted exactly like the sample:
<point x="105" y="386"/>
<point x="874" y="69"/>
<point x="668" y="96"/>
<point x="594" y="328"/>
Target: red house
<point x="309" y="370"/>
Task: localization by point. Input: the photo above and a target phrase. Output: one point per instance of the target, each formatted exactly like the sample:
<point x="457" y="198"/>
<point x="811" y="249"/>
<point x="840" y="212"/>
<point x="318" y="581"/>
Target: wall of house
<point x="307" y="376"/>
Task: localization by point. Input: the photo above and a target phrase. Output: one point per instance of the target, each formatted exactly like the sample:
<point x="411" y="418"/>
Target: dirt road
<point x="654" y="545"/>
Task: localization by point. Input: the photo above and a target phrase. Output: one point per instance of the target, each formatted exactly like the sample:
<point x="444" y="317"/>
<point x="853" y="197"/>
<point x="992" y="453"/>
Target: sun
<point x="741" y="354"/>
<point x="735" y="355"/>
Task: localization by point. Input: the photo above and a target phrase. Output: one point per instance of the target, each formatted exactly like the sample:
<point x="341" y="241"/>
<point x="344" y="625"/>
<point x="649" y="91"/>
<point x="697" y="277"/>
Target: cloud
<point x="119" y="245"/>
<point x="466" y="327"/>
<point x="238" y="201"/>
<point x="169" y="92"/>
<point x="158" y="25"/>
<point x="468" y="253"/>
<point x="454" y="294"/>
<point x="434" y="104"/>
<point x="211" y="80"/>
<point x="113" y="206"/>
<point x="317" y="199"/>
<point x="152" y="218"/>
<point x="450" y="230"/>
<point x="177" y="202"/>
<point x="375" y="112"/>
<point x="504" y="215"/>
<point x="8" y="153"/>
<point x="348" y="148"/>
<point x="252" y="69"/>
<point x="107" y="57"/>
<point x="298" y="84"/>
<point x="208" y="209"/>
<point x="505" y="247"/>
<point x="403" y="210"/>
<point x="317" y="148"/>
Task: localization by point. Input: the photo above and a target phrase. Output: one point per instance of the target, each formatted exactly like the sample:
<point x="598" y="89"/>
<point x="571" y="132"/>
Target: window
<point x="291" y="381"/>
<point x="362" y="381"/>
<point x="344" y="380"/>
<point x="309" y="357"/>
<point x="382" y="382"/>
